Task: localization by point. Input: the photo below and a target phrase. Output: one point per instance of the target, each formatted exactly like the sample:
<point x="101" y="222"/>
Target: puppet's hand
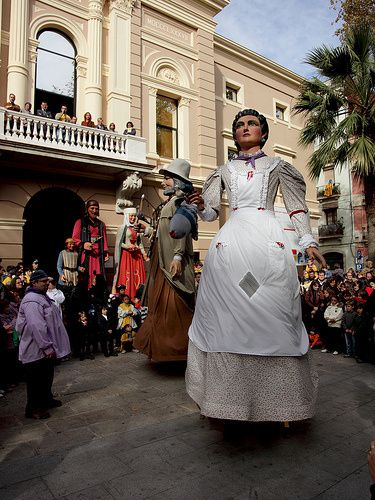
<point x="176" y="268"/>
<point x="314" y="254"/>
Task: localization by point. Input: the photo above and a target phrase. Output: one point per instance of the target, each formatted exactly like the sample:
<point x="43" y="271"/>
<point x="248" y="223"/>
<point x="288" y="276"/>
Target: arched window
<point x="55" y="72"/>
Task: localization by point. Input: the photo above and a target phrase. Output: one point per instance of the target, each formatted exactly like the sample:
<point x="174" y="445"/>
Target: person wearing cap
<point x="43" y="340"/>
<point x="170" y="288"/>
<point x="249" y="350"/>
<point x="90" y="236"/>
<point x="130" y="253"/>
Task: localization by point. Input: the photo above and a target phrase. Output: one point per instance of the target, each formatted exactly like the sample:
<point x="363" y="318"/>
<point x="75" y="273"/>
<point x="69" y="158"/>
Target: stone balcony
<point x="328" y="192"/>
<point x="100" y="151"/>
<point x="330" y="231"/>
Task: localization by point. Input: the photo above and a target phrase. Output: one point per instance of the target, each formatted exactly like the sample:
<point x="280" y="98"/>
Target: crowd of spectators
<point x="97" y="322"/>
<point x="64" y="116"/>
<point x="339" y="310"/>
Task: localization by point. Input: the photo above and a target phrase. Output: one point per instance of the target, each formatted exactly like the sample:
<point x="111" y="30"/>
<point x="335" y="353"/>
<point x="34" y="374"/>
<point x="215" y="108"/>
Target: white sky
<point x="281" y="30"/>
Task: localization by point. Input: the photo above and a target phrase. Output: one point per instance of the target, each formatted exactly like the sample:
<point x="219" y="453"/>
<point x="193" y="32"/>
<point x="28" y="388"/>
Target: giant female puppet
<point x="130" y="254"/>
<point x="90" y="237"/>
<point x="249" y="351"/>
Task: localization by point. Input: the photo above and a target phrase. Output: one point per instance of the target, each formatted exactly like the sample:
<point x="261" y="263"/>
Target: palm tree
<point x="340" y="111"/>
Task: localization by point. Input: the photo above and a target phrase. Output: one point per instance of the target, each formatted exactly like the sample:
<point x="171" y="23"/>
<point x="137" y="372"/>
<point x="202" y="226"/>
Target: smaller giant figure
<point x="130" y="253"/>
<point x="170" y="288"/>
<point x="67" y="264"/>
<point x="90" y="236"/>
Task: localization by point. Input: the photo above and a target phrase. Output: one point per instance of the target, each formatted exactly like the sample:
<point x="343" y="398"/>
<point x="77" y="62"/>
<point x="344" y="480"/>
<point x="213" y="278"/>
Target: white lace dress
<point x="248" y="350"/>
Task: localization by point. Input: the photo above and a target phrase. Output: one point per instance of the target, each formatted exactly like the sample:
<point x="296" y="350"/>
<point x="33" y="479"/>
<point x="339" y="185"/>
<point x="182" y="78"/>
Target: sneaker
<point x="324" y="350"/>
<point x="335" y="352"/>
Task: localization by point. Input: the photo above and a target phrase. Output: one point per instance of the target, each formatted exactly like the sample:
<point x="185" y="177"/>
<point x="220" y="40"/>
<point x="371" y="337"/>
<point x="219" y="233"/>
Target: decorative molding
<point x="123" y="5"/>
<point x="81" y="67"/>
<point x="168" y="74"/>
<point x="165" y="42"/>
<point x="71" y="7"/>
<point x="284" y="150"/>
<point x="70" y="28"/>
<point x="171" y="63"/>
<point x="163" y="86"/>
<point x="184" y="102"/>
<point x="14" y="224"/>
<point x="95" y="10"/>
<point x="185" y="15"/>
<point x="33" y="50"/>
<point x="152" y="91"/>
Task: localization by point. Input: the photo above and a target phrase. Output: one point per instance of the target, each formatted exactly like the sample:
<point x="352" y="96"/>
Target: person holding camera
<point x="170" y="288"/>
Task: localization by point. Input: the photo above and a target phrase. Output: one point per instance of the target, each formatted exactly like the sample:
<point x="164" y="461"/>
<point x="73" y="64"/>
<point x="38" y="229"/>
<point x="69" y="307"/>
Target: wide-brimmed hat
<point x="177" y="168"/>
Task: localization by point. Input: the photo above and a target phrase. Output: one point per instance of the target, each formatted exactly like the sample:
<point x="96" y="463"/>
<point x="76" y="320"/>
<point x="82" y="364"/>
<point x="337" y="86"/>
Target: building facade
<point x="342" y="227"/>
<point x="156" y="63"/>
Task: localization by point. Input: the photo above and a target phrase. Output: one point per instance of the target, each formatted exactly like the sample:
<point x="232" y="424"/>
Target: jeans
<point x="350" y="344"/>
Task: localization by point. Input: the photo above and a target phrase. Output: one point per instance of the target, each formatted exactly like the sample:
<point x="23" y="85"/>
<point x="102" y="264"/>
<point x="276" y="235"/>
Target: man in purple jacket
<point x="43" y="339"/>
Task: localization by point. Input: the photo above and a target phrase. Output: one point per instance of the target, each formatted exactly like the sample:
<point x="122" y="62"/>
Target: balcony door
<point x="50" y="215"/>
<point x="55" y="72"/>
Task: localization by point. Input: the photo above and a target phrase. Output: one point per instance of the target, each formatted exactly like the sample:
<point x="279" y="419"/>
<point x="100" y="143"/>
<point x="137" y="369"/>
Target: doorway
<point x="50" y="216"/>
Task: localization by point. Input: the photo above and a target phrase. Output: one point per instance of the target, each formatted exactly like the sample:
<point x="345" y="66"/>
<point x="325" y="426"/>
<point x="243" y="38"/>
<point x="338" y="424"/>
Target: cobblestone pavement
<point x="127" y="430"/>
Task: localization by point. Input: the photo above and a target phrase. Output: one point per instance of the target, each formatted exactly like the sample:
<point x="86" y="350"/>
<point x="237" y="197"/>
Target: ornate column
<point x="119" y="49"/>
<point x="183" y="128"/>
<point x="18" y="50"/>
<point x="94" y="66"/>
<point x="152" y="150"/>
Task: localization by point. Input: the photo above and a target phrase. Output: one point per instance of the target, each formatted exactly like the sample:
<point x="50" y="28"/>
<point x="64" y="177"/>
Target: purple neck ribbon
<point x="251" y="158"/>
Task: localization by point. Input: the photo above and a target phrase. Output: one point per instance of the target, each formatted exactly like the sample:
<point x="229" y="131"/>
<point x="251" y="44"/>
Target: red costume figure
<point x="90" y="236"/>
<point x="130" y="254"/>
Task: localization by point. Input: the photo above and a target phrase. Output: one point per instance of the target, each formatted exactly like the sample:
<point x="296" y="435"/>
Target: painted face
<point x="93" y="211"/>
<point x="167" y="182"/>
<point x="132" y="218"/>
<point x="248" y="132"/>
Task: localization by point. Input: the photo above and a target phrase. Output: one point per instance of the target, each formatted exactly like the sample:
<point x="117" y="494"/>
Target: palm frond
<point x="331" y="62"/>
<point x="362" y="156"/>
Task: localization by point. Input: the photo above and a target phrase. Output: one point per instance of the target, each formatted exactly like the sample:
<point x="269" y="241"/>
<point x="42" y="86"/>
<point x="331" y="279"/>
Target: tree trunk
<point x="369" y="183"/>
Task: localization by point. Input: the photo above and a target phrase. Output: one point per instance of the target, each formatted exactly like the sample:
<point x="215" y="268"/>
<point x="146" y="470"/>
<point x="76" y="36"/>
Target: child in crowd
<point x="333" y="315"/>
<point x="347" y="326"/>
<point x="105" y="333"/>
<point x="127" y="338"/>
<point x="142" y="312"/>
<point x="83" y="337"/>
<point x="314" y="338"/>
<point x="361" y="334"/>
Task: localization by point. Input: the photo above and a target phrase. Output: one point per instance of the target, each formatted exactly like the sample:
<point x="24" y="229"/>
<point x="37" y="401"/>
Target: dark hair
<point x="130" y="123"/>
<point x="91" y="203"/>
<point x="262" y="121"/>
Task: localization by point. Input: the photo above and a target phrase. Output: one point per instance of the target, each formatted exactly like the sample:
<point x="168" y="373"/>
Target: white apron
<point x="248" y="300"/>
